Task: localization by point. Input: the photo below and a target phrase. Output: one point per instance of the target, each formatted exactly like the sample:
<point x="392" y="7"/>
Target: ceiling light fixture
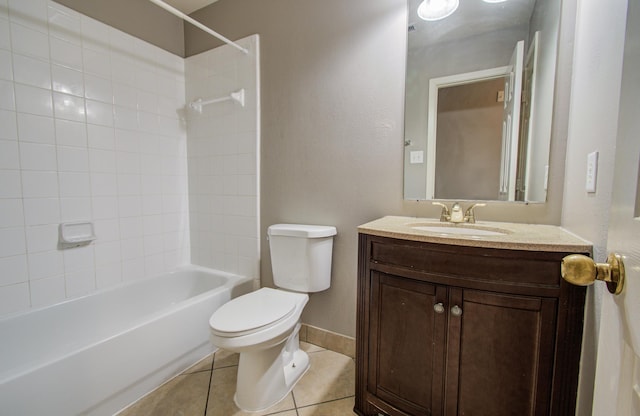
<point x="437" y="9"/>
<point x="494" y="1"/>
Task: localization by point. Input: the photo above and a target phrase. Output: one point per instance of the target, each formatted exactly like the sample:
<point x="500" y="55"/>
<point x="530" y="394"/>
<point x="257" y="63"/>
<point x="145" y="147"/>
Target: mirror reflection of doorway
<point x="469" y="138"/>
<point x="510" y="78"/>
<point x="525" y="146"/>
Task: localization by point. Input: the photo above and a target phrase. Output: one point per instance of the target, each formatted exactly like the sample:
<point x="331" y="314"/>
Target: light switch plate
<point x="592" y="171"/>
<point x="416" y="156"/>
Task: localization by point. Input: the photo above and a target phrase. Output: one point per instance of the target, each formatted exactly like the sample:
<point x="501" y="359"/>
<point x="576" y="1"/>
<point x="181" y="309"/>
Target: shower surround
<point x="93" y="127"/>
<point x="224" y="159"/>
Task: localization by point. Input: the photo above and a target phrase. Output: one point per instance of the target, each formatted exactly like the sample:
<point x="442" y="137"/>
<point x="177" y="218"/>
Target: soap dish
<point x="73" y="234"/>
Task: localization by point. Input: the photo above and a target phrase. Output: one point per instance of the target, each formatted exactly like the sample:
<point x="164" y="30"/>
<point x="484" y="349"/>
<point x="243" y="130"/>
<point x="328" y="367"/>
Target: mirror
<point x="479" y="100"/>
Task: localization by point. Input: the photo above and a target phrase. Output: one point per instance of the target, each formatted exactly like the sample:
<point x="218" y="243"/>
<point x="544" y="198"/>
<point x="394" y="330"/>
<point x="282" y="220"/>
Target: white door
<point x="617" y="386"/>
<point x="527" y="109"/>
<point x="511" y="124"/>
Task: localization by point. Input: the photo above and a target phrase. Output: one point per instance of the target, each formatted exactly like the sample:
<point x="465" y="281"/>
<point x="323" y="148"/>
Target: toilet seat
<point x="253" y="312"/>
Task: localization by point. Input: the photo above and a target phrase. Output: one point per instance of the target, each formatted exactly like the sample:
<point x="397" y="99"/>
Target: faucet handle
<point x="444" y="214"/>
<point x="469" y="215"/>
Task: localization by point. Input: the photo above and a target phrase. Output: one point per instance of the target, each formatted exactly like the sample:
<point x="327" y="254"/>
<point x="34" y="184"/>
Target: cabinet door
<point x="505" y="349"/>
<point x="406" y="344"/>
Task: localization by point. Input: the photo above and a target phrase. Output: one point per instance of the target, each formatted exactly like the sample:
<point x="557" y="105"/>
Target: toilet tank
<point x="301" y="256"/>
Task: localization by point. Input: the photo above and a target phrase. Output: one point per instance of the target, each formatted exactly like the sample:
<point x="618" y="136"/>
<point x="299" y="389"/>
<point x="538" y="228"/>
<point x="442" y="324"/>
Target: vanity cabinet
<point x="457" y="330"/>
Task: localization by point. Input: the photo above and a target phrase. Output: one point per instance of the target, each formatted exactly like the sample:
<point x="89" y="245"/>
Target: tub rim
<point x="121" y="285"/>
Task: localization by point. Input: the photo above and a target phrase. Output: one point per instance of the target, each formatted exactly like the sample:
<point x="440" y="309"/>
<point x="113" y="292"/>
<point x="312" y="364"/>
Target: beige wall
<point x="332" y="91"/>
<point x="139" y="18"/>
<point x="332" y="115"/>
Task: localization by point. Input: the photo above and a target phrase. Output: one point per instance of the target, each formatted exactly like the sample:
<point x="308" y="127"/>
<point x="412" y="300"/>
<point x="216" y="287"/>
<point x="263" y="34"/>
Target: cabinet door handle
<point x="456" y="310"/>
<point x="438" y="307"/>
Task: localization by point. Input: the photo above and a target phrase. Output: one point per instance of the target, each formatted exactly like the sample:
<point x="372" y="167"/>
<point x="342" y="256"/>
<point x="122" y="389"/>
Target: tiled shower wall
<point x="224" y="149"/>
<point x="89" y="130"/>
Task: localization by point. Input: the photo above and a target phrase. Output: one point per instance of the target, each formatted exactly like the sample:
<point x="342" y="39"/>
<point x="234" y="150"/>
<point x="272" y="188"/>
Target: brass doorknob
<point x="583" y="271"/>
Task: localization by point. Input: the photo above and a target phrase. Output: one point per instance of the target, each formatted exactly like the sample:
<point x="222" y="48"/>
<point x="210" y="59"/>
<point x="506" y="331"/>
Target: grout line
<point x="295" y="405"/>
<point x="206" y="405"/>
<point x="325" y="402"/>
<point x="194" y="372"/>
<point x="225" y="366"/>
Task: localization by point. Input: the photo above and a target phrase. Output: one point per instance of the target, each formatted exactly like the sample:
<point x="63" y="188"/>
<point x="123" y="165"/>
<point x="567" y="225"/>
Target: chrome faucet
<point x="455" y="214"/>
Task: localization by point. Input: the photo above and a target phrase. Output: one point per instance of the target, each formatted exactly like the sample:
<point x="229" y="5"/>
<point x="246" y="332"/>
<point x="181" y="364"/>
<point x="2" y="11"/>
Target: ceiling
<point x="189" y="6"/>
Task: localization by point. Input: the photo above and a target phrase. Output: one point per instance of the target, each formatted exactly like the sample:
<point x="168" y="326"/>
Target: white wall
<point x="88" y="131"/>
<point x="224" y="150"/>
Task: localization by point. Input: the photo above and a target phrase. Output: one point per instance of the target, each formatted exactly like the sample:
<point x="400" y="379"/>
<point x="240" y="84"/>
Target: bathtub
<point x="98" y="353"/>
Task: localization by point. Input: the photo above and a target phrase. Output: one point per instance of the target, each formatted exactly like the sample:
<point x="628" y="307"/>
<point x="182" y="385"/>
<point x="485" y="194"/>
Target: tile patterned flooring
<point x="207" y="389"/>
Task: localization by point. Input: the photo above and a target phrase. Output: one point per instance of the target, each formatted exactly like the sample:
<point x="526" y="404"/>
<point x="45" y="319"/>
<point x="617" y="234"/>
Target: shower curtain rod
<point x="197" y="24"/>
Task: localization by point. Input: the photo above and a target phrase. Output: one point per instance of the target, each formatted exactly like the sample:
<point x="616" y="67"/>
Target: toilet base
<point x="266" y="376"/>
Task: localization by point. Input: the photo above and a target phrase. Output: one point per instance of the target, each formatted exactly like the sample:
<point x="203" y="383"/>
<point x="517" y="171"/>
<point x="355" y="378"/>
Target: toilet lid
<point x="253" y="311"/>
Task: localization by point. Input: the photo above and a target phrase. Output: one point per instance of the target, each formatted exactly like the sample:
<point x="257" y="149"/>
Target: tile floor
<point x="207" y="389"/>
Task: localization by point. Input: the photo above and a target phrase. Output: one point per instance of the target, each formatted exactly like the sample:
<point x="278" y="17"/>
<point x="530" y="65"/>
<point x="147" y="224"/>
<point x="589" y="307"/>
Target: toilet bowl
<point x="263" y="326"/>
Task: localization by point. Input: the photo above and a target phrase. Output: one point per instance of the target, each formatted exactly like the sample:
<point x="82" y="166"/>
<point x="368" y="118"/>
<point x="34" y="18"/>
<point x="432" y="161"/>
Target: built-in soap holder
<point x="74" y="234"/>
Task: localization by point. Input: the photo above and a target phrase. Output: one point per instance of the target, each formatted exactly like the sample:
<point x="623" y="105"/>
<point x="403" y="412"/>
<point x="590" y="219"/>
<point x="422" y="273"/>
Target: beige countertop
<point x="514" y="236"/>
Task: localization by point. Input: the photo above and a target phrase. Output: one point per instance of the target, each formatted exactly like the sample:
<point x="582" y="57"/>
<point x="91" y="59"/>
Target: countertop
<point x="517" y="236"/>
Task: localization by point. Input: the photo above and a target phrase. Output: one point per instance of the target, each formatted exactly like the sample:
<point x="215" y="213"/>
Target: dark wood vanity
<point x="456" y="329"/>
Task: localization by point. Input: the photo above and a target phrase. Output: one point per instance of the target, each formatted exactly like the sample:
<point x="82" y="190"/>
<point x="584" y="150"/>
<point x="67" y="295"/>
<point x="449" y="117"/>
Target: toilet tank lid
<point x="302" y="230"/>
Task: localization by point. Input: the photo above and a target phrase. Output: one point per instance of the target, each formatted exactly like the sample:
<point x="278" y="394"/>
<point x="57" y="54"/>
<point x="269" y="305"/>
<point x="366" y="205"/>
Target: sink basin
<point x="452" y="230"/>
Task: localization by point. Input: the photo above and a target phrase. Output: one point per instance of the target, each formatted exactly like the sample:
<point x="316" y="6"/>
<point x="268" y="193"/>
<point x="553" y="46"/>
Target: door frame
<point x="432" y="124"/>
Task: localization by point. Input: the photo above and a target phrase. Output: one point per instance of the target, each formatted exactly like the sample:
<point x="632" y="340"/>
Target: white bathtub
<point x="96" y="354"/>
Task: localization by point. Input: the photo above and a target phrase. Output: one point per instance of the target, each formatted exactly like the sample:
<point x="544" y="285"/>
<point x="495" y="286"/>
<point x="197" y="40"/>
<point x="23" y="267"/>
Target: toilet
<point x="263" y="325"/>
